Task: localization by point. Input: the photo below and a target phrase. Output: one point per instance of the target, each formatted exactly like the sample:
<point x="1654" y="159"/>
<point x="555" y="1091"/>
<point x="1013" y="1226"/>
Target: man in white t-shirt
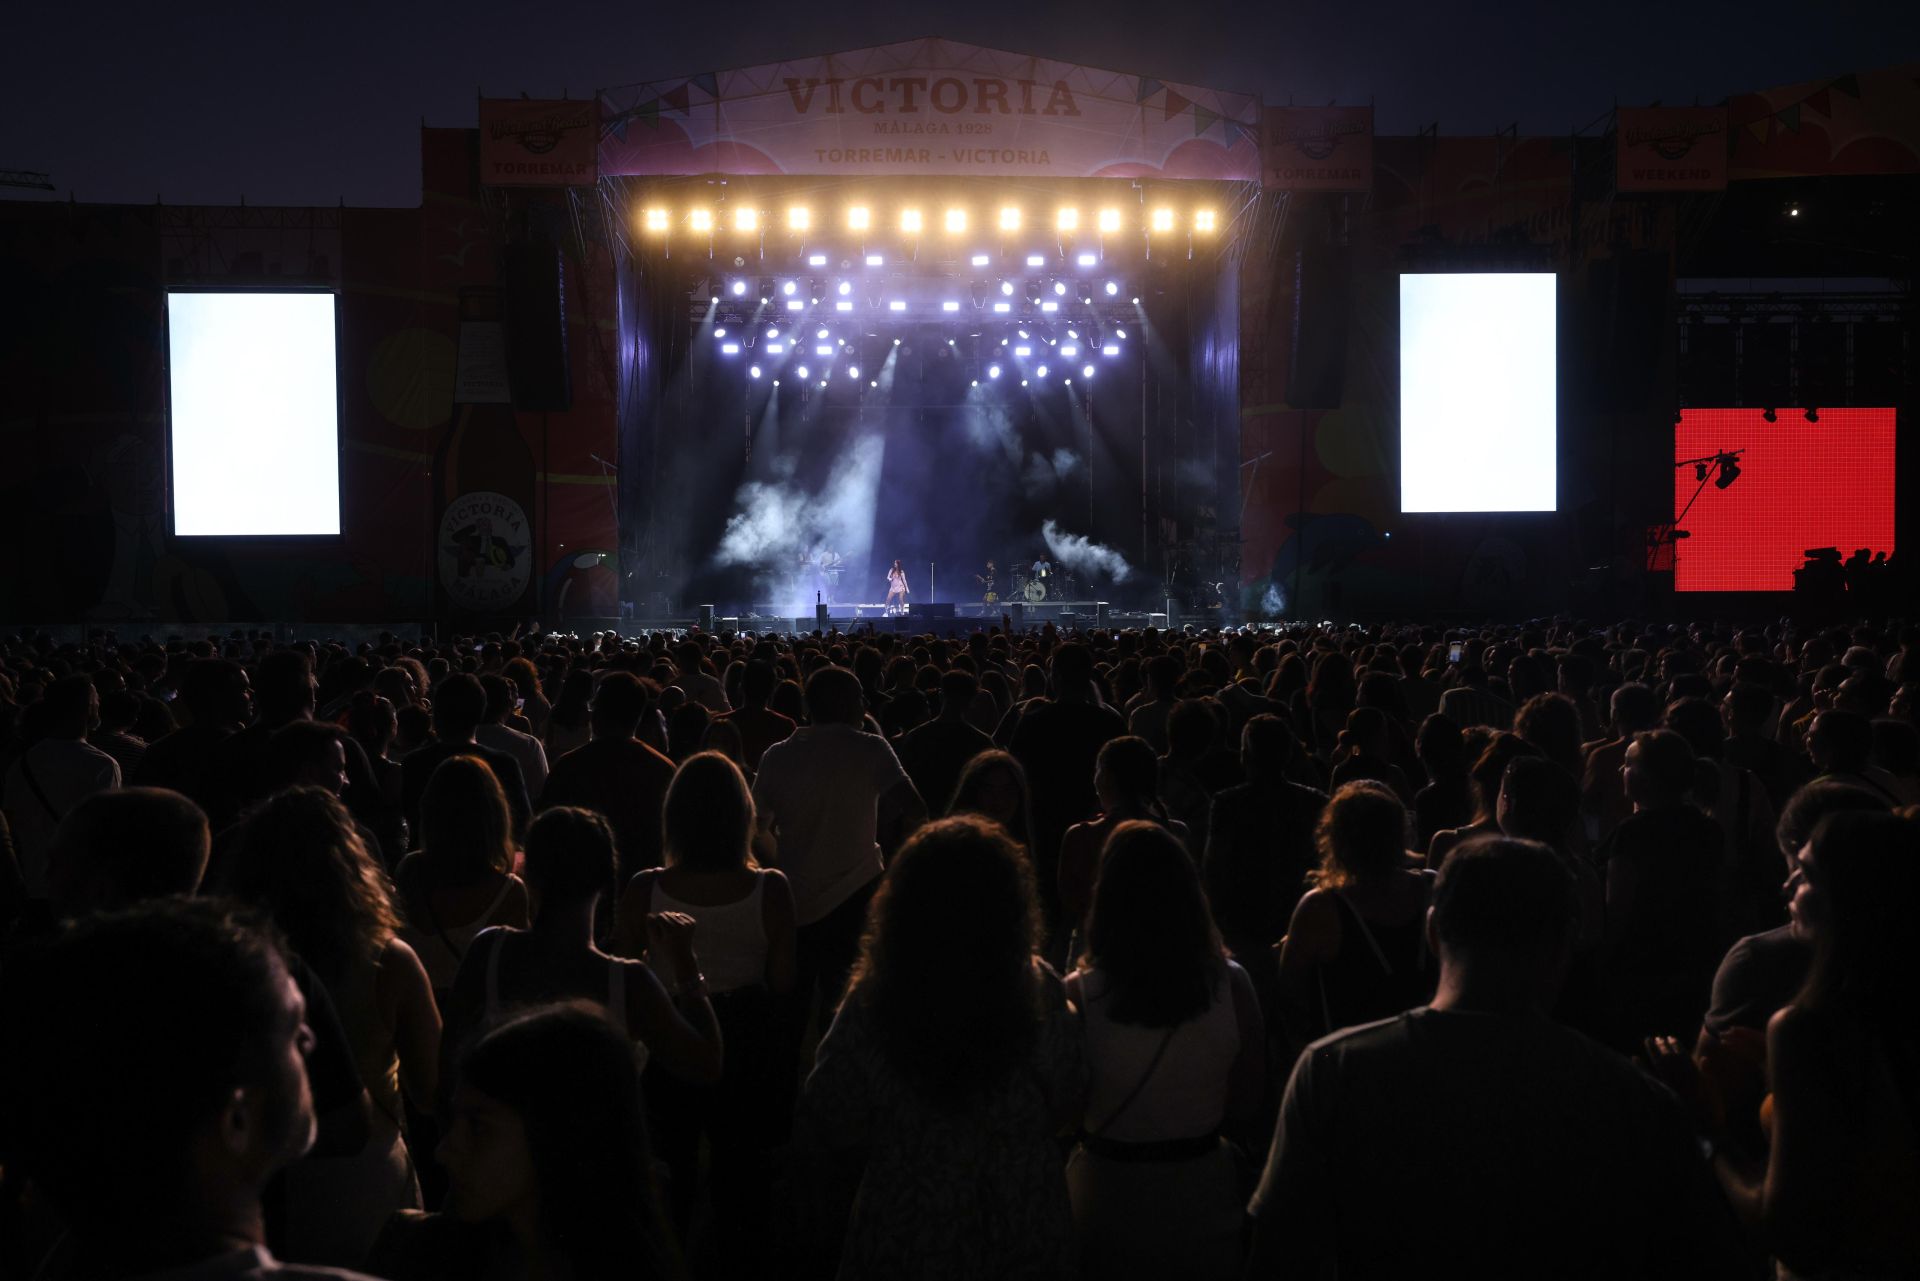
<point x="824" y="795"/>
<point x="54" y="775"/>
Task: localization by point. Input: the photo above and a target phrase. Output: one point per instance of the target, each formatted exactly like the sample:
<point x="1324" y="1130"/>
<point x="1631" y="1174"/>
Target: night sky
<point x="283" y="103"/>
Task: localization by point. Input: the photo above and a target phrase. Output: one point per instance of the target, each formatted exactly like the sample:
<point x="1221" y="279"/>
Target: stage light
<point x="1023" y="333"/>
<point x="1729" y="472"/>
<point x="1111" y="349"/>
<point x="896" y="342"/>
<point x="897" y="305"/>
<point x="845" y="304"/>
<point x="794" y="304"/>
<point x="1009" y="218"/>
<point x="956" y="221"/>
<point x="1023" y="352"/>
<point x="1136" y="302"/>
<point x="1205" y="220"/>
<point x="876" y="260"/>
<point x="746" y="220"/>
<point x="701" y="220"/>
<point x="1813" y="415"/>
<point x="802" y="371"/>
<point x="776" y="382"/>
<point x="1036" y="260"/>
<point x="841" y="341"/>
<point x="1067" y="381"/>
<point x="824" y="349"/>
<point x="754" y="372"/>
<point x="1086" y="371"/>
<point x="776" y="348"/>
<point x="1006" y="287"/>
<point x="1700" y="471"/>
<point x="1161" y="219"/>
<point x="716" y="298"/>
<point x="1023" y="382"/>
<point x="772" y="332"/>
<point x="1119" y="333"/>
<point x="1002" y="308"/>
<point x="981" y="260"/>
<point x="1109" y="221"/>
<point x="859" y="218"/>
<point x="1112" y="288"/>
<point x="823" y="382"/>
<point x="1069" y="351"/>
<point x="976" y="382"/>
<point x="820" y="333"/>
<point x="993" y="371"/>
<point x="874" y="383"/>
<point x="1068" y="219"/>
<point x="1049" y="306"/>
<point x="719" y="333"/>
<point x="816" y="260"/>
<point x="1041" y="372"/>
<point x="1059" y="287"/>
<point x="910" y="222"/>
<point x="657" y="220"/>
<point x="799" y="218"/>
<point x="788" y="288"/>
<point x="949" y="305"/>
<point x="739" y="288"/>
<point x="1074" y="334"/>
<point x="845" y="288"/>
<point x="853" y="371"/>
<point x="1770" y="415"/>
<point x="763" y="300"/>
<point x="1087" y="260"/>
<point x="729" y="349"/>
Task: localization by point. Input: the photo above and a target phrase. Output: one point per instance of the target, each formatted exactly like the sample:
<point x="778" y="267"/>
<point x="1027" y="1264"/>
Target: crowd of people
<point x="1548" y="949"/>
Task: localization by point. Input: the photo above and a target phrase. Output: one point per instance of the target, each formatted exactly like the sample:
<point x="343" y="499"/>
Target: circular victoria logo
<point x="485" y="551"/>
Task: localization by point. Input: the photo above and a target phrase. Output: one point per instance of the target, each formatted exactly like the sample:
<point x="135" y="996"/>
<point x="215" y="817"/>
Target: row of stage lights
<point x="911" y="221"/>
<point x="1000" y="300"/>
<point x="1021" y="346"/>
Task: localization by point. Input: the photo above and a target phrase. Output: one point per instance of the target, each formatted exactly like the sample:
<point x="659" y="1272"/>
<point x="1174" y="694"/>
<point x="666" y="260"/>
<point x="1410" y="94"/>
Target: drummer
<point x="1041" y="568"/>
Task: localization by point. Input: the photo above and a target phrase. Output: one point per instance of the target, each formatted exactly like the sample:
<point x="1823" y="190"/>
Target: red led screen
<point x="1801" y="485"/>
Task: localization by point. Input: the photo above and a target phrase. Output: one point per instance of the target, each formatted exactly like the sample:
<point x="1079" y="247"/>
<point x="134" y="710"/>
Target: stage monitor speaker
<point x="534" y="286"/>
<point x="1317" y="358"/>
<point x="705" y="613"/>
<point x="943" y="609"/>
<point x="1018" y="611"/>
<point x="820" y="615"/>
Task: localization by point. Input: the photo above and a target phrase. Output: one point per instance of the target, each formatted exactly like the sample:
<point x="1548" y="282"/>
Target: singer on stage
<point x="897" y="586"/>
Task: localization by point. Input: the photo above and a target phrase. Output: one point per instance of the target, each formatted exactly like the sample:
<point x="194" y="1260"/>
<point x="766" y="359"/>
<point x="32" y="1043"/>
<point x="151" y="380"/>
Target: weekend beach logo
<point x="1321" y="138"/>
<point x="1671" y="139"/>
<point x="539" y="132"/>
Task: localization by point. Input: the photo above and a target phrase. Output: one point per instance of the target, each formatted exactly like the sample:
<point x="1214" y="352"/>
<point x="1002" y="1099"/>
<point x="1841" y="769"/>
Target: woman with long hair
<point x="954" y="1061"/>
<point x="1834" y="1193"/>
<point x="743" y="915"/>
<point x="570" y="873"/>
<point x="460" y="880"/>
<point x="1355" y="950"/>
<point x="993" y="785"/>
<point x="1489" y="770"/>
<point x="1126" y="779"/>
<point x="533" y="702"/>
<point x="301" y="859"/>
<point x="897" y="587"/>
<point x="1176" y="1053"/>
<point x="548" y="1160"/>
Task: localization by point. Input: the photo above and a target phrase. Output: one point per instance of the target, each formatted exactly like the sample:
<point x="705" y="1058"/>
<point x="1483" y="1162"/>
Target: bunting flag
<point x="1848" y="84"/>
<point x="1146" y="90"/>
<point x="1235" y="131"/>
<point x="1203" y="119"/>
<point x="1818" y="104"/>
<point x="676" y="98"/>
<point x="1761" y="129"/>
<point x="1790" y="117"/>
<point x="1175" y="104"/>
<point x="707" y="82"/>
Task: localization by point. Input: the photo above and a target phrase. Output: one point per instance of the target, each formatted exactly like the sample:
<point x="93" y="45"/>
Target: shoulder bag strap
<point x="1138" y="1086"/>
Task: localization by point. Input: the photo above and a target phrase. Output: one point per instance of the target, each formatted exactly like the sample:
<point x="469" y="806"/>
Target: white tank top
<point x="1186" y="1095"/>
<point x="729" y="938"/>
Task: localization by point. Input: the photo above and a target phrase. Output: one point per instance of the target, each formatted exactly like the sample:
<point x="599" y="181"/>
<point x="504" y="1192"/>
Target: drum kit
<point x="1043" y="584"/>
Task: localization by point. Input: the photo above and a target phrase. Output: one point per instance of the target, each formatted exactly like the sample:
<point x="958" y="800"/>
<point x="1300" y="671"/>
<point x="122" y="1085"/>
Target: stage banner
<point x="1317" y="149"/>
<point x="1864" y="122"/>
<point x="538" y="143"/>
<point x="929" y="107"/>
<point x="1670" y="149"/>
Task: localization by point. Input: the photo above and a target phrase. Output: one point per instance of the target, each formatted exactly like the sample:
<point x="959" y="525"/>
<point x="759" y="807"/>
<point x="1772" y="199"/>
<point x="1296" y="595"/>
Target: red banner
<point x="539" y="143"/>
<point x="1317" y="149"/>
<point x="1671" y="149"/>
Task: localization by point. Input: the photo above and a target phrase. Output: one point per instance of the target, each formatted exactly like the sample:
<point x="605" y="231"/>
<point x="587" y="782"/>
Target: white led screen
<point x="256" y="422"/>
<point x="1477" y="404"/>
